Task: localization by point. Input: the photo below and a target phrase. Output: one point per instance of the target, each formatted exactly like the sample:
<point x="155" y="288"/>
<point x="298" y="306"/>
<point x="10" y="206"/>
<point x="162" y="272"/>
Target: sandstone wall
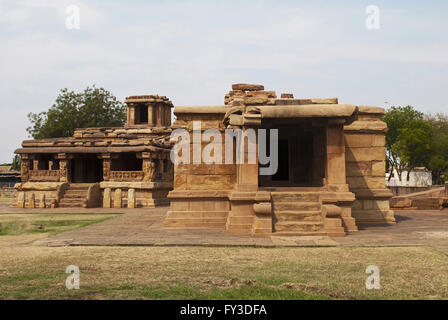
<point x="201" y="191"/>
<point x="366" y="167"/>
<point x="203" y="176"/>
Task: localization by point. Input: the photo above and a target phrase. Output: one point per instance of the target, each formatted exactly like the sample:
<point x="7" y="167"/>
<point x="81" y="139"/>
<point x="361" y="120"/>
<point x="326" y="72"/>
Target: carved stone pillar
<point x="106" y="166"/>
<point x="64" y="170"/>
<point x="148" y="167"/>
<point x="24" y="168"/>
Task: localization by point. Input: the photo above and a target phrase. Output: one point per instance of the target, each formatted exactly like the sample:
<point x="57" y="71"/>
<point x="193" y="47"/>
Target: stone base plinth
<point x="135" y="194"/>
<point x="197" y="208"/>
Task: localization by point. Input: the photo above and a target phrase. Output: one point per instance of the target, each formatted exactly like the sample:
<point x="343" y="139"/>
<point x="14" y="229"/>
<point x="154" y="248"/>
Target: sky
<point x="192" y="51"/>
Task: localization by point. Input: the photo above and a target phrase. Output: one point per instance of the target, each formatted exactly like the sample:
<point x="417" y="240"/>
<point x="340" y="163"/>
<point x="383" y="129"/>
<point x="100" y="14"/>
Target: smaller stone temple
<point x="330" y="177"/>
<point x="103" y="167"/>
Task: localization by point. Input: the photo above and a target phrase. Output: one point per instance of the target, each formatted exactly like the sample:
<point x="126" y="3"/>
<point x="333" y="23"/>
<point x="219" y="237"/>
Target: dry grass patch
<point x="221" y="273"/>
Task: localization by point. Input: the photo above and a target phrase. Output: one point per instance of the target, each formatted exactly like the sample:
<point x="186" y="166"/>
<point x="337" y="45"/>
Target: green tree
<point x="16" y="163"/>
<point x="399" y="145"/>
<point x="94" y="107"/>
<point x="438" y="155"/>
<point x="413" y="145"/>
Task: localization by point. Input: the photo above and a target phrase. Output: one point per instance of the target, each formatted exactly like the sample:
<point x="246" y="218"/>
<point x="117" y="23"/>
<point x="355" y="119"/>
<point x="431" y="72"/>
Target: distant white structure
<point x="419" y="177"/>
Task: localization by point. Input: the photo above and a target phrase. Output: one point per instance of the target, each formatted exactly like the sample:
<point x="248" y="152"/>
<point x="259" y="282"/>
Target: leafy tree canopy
<point x="438" y="155"/>
<point x="16" y="162"/>
<point x="407" y="140"/>
<point x="94" y="107"/>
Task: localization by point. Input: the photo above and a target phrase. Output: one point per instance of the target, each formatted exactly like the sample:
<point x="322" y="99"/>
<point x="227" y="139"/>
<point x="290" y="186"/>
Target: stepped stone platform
<point x="145" y="227"/>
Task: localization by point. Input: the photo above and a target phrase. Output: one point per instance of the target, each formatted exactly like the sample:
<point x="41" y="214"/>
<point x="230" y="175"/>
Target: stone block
<point x="335" y="139"/>
<point x="336" y="168"/>
<point x="210" y="182"/>
<point x="359" y="169"/>
<point x="247" y="87"/>
<point x="358" y="140"/>
<point x="32" y="201"/>
<point x="131" y="198"/>
<point x="366" y="154"/>
<point x="107" y="198"/>
<point x="378" y="140"/>
<point x="378" y="168"/>
<point x="366" y="182"/>
<point x="21" y="199"/>
<point x="42" y="200"/>
<point x="117" y="198"/>
<point x="180" y="181"/>
<point x="225" y="169"/>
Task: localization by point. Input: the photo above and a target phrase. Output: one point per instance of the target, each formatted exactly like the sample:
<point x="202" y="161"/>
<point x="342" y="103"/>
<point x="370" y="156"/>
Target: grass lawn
<point x="48" y="224"/>
<point x="36" y="272"/>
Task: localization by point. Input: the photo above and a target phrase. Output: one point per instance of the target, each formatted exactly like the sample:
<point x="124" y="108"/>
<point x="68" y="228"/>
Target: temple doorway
<point x="301" y="157"/>
<point x="86" y="168"/>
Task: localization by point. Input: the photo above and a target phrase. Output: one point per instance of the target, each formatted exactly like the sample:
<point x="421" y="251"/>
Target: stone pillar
<point x="32" y="201"/>
<point x="21" y="199"/>
<point x="106" y="166"/>
<point x="117" y="198"/>
<point x="150" y="114"/>
<point x="366" y="158"/>
<point x="107" y="198"/>
<point x="42" y="200"/>
<point x="131" y="114"/>
<point x="64" y="170"/>
<point x="35" y="164"/>
<point x="335" y="169"/>
<point x="319" y="153"/>
<point x="247" y="173"/>
<point x="131" y="198"/>
<point x="242" y="215"/>
<point x="159" y="115"/>
<point x="24" y="168"/>
<point x="148" y="167"/>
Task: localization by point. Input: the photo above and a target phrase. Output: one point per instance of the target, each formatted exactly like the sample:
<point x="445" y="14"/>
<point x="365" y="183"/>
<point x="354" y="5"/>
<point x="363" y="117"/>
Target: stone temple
<point x="330" y="177"/>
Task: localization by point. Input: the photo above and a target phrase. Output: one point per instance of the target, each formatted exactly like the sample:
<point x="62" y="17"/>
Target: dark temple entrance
<point x="86" y="168"/>
<point x="301" y="157"/>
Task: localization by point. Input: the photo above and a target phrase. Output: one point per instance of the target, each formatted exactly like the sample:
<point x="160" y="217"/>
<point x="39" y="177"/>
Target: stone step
<point x="332" y="222"/>
<point x="333" y="227"/>
<point x="69" y="205"/>
<point x="195" y="222"/>
<point x="295" y="196"/>
<point x="262" y="233"/>
<point x="240" y="229"/>
<point x="296" y="206"/>
<point x="299" y="226"/>
<point x="79" y="186"/>
<point x="72" y="199"/>
<point x="74" y="196"/>
<point x="241" y="220"/>
<point x="298" y="233"/>
<point x="298" y="215"/>
<point x="199" y="214"/>
<point x="75" y="192"/>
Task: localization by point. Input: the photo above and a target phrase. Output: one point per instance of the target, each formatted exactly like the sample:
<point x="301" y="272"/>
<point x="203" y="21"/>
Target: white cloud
<point x="191" y="61"/>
